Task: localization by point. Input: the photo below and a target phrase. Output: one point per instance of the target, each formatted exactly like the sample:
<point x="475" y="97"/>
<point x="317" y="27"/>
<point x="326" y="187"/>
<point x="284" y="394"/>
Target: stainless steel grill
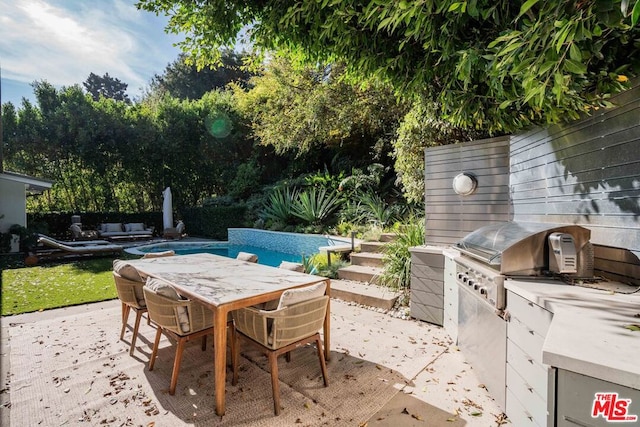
<point x="492" y="254"/>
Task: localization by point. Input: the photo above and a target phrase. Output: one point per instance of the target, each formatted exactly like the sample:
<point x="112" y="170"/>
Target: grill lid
<point x="517" y="247"/>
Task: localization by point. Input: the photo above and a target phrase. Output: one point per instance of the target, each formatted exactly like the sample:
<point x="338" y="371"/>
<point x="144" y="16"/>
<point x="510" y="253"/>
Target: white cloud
<point x="62" y="41"/>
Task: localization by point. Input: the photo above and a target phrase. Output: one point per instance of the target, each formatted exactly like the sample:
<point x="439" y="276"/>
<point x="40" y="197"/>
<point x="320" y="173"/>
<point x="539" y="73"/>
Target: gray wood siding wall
<point x="587" y="173"/>
<point x="449" y="217"/>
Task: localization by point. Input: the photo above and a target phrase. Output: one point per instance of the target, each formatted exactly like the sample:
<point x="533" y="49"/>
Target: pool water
<point x="271" y="247"/>
<point x="265" y="256"/>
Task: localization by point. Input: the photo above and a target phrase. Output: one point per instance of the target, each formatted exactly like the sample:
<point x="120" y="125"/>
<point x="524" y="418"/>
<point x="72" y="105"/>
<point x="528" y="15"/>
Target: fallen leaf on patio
<point x="452" y="420"/>
<point x="298" y="421"/>
<point x="364" y="424"/>
<point x="476" y="414"/>
<point x="417" y="417"/>
<point x="404" y="411"/>
<point x="306" y="405"/>
<point x="633" y="327"/>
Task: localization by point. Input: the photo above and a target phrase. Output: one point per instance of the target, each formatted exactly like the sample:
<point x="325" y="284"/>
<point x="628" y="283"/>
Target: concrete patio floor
<point x="436" y="386"/>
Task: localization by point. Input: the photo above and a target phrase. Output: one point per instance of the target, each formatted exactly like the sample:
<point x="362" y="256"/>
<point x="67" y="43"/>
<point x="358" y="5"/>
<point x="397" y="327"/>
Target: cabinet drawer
<point x="525" y="338"/>
<point x="532" y="371"/>
<point x="518" y="415"/>
<point x="536" y="317"/>
<point x="527" y="396"/>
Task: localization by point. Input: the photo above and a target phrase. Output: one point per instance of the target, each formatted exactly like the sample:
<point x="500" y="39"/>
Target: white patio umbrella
<point x="167" y="209"/>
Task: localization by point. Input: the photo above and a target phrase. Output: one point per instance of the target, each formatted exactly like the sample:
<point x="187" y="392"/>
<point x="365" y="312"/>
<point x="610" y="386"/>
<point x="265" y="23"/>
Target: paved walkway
<point x="438" y="383"/>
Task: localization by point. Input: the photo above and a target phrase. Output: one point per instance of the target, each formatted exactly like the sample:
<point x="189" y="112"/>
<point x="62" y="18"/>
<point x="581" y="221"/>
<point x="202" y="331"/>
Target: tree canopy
<point x="496" y="66"/>
<point x="107" y="86"/>
<point x="184" y="81"/>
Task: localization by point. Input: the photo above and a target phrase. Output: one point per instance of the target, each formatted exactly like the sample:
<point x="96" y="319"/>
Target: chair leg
<point x="235" y="354"/>
<point x="152" y="361"/>
<point x="275" y="384"/>
<point x="176" y="366"/>
<point x="125" y="318"/>
<point x="232" y="339"/>
<point x="204" y="342"/>
<point x="287" y="356"/>
<point x="323" y="364"/>
<point x="135" y="332"/>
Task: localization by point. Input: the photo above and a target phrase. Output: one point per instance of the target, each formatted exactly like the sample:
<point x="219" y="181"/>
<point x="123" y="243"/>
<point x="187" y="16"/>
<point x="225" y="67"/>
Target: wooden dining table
<point x="226" y="284"/>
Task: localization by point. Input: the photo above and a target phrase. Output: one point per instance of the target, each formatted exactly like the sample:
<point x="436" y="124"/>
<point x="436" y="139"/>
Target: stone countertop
<point x="588" y="333"/>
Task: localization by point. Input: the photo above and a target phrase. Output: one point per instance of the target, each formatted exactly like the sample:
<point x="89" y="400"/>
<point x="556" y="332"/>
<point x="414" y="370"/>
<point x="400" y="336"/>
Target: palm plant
<point x="376" y="210"/>
<point x="314" y="206"/>
<point x="397" y="258"/>
<point x="279" y="207"/>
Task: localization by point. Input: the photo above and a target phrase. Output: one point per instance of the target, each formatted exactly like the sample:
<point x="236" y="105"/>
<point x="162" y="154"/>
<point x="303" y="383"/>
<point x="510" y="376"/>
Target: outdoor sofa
<point x="133" y="230"/>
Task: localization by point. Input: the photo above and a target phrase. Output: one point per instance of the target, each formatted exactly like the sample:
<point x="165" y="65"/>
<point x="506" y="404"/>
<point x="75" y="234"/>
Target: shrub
<point x="397" y="258"/>
<point x="315" y="206"/>
<point x="279" y="207"/>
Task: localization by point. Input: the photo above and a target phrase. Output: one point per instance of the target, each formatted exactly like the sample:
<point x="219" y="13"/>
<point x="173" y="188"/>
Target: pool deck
<point x="437" y="387"/>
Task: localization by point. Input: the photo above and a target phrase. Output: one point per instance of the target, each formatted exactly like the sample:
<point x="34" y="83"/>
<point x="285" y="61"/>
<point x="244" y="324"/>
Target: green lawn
<point x="29" y="289"/>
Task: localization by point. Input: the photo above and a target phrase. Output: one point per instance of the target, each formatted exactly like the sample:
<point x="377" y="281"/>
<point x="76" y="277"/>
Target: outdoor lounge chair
<point x="296" y="322"/>
<point x="51" y="248"/>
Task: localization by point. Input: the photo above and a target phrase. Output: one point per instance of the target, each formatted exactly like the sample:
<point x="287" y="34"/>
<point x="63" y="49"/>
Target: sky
<point x="63" y="41"/>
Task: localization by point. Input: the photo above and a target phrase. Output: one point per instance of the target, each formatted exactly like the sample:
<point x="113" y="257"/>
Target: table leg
<point x="220" y="357"/>
<point x="327" y="328"/>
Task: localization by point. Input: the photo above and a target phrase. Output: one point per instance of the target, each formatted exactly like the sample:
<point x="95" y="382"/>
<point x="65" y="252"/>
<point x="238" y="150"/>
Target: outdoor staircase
<point x="358" y="281"/>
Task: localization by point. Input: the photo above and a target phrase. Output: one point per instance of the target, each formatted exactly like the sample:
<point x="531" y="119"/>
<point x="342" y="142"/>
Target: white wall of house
<point x="12" y="204"/>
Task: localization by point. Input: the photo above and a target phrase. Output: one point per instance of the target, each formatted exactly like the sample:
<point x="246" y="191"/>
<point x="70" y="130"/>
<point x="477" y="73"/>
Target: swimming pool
<point x="272" y="247"/>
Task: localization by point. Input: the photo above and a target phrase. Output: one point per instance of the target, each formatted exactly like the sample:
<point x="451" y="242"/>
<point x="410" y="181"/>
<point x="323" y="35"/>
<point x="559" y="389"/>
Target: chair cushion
<point x="294" y="296"/>
<point x="158" y="254"/>
<point x="126" y="270"/>
<point x="75" y="228"/>
<point x="245" y="256"/>
<point x="293" y="266"/>
<point x="180" y="227"/>
<point x="110" y="227"/>
<point x="165" y="289"/>
<point x="135" y="226"/>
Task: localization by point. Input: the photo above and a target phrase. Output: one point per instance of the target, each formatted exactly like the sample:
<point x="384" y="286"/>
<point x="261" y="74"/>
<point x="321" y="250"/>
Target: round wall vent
<point x="465" y="184"/>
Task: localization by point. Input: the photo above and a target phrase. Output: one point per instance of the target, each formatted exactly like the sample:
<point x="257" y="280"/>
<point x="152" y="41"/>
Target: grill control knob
<point x="460" y="276"/>
<point x="476" y="286"/>
<point x="471" y="282"/>
<point x="483" y="290"/>
<point x="465" y="278"/>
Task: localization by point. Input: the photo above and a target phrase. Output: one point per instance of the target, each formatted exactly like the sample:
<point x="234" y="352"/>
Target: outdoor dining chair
<point x="296" y="322"/>
<point x="180" y="319"/>
<point x="129" y="288"/>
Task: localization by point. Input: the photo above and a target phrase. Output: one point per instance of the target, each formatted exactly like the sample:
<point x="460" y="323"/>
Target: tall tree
<point x="495" y="65"/>
<point x="312" y="110"/>
<point x="184" y="80"/>
<point x="106" y="86"/>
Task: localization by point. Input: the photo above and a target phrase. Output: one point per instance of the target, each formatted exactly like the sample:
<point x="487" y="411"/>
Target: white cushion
<point x="180" y="227"/>
<point x="126" y="270"/>
<point x="294" y="296"/>
<point x="112" y="226"/>
<point x="135" y="226"/>
<point x="158" y="254"/>
<point x="165" y="289"/>
<point x="246" y="256"/>
<point x="293" y="266"/>
<point x="75" y="229"/>
<point x="127" y="228"/>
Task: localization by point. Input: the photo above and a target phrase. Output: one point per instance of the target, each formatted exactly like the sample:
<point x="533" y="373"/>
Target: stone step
<point x="371" y="246"/>
<point x="363" y="293"/>
<point x="388" y="237"/>
<point x="367" y="259"/>
<point x="360" y="273"/>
